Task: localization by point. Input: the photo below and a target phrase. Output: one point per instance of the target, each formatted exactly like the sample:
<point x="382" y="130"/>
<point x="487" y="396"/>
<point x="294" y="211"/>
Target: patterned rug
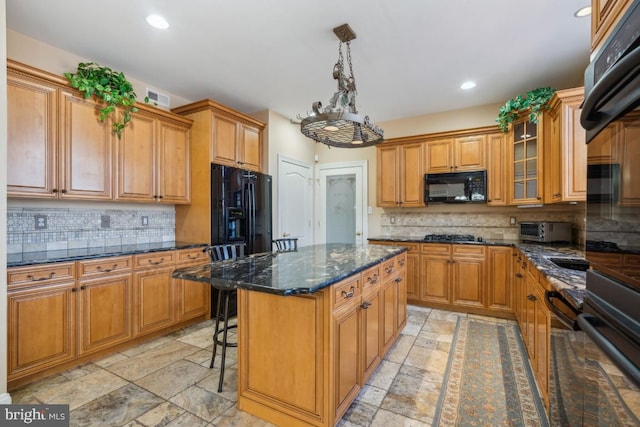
<point x="488" y="381"/>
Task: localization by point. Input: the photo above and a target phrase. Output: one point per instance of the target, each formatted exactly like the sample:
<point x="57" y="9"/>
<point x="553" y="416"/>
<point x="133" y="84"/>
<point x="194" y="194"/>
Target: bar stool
<point x="226" y="252"/>
<point x="286" y="245"/>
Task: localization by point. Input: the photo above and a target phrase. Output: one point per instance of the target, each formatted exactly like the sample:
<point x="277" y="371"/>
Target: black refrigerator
<point x="240" y="211"/>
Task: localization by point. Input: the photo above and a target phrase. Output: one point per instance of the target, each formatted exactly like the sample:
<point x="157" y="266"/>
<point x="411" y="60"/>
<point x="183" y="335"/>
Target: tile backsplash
<point x="71" y="227"/>
<point x="488" y="223"/>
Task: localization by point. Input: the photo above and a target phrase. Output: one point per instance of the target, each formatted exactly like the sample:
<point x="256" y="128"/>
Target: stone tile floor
<point x="167" y="382"/>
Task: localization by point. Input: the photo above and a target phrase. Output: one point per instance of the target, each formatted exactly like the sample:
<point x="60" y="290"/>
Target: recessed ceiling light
<point x="468" y="85"/>
<point x="157" y="21"/>
<point x="581" y="13"/>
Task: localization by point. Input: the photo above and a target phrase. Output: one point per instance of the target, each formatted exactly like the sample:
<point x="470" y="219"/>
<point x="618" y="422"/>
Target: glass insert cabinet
<point x="525" y="160"/>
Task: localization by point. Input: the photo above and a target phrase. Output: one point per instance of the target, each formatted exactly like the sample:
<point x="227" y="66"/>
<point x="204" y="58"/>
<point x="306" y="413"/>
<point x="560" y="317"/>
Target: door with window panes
<point x="526" y="160"/>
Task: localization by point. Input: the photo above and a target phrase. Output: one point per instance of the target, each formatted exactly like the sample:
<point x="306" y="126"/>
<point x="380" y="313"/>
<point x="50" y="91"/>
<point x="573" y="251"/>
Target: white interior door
<point x="295" y="200"/>
<point x="341" y="201"/>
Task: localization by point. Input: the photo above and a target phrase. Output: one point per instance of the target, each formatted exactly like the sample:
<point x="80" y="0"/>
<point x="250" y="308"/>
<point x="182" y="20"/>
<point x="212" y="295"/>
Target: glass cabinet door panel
<point x="518" y="151"/>
<point x="518" y="190"/>
<point x="532" y="148"/>
<point x="518" y="131"/>
<point x="532" y="168"/>
<point x="518" y="170"/>
<point x="532" y="130"/>
<point x="532" y="189"/>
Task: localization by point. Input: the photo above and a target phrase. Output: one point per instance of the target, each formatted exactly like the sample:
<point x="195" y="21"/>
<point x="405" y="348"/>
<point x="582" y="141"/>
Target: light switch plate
<point x="145" y="220"/>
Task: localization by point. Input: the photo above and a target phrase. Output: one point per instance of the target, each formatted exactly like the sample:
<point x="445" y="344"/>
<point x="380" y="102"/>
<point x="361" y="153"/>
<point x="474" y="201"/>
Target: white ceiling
<point x="409" y="58"/>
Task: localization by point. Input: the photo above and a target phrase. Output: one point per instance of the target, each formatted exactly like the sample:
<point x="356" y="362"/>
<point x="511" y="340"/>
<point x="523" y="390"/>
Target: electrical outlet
<point x="392" y="219"/>
<point x="145" y="220"/>
<point x="105" y="221"/>
<point x="40" y="222"/>
<point x="512" y="220"/>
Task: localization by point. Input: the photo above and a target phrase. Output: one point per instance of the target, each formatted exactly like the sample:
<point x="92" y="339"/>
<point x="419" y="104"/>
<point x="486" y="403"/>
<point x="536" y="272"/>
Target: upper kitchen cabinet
<point x="565" y="149"/>
<point x="456" y="154"/>
<point x="228" y="137"/>
<point x="57" y="147"/>
<point x="496" y="169"/>
<point x="400" y="176"/>
<point x="524" y="151"/>
<point x="153" y="158"/>
<point x="605" y="14"/>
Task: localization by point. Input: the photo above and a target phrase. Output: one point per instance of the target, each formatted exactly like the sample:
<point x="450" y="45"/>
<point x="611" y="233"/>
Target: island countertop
<point x="304" y="271"/>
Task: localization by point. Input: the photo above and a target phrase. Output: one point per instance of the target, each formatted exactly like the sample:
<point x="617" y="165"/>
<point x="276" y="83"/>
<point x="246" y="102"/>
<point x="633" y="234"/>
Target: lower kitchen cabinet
<point x="64" y="313"/>
<point x="153" y="292"/>
<point x="347" y="354"/>
<point x="412" y="278"/>
<point x="499" y="279"/>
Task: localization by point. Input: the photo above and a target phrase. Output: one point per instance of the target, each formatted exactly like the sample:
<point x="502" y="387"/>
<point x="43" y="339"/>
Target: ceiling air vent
<point x="157" y="98"/>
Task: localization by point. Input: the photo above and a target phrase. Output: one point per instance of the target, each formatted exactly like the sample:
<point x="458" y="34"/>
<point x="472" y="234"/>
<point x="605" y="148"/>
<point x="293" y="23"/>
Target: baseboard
<point x="5" y="399"/>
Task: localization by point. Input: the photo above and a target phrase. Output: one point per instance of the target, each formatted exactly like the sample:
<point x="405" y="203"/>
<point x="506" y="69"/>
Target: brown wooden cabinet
<point x="524" y="151"/>
<point x="499" y="279"/>
<point x="153" y="159"/>
<point x="216" y="134"/>
<point x="312" y="374"/>
<point x="605" y="14"/>
<point x="412" y="267"/>
<point x="456" y="154"/>
<point x="496" y="169"/>
<point x="565" y="149"/>
<point x="41" y="315"/>
<point x="400" y="174"/>
<point x="153" y="292"/>
<point x="104" y="303"/>
<point x="192" y="298"/>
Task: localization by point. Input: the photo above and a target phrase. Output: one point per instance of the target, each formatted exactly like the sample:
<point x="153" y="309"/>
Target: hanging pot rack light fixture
<point x="340" y="124"/>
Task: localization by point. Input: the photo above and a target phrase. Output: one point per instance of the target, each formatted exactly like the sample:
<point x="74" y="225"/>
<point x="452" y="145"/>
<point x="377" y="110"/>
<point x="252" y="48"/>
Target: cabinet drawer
<point x="194" y="255"/>
<point x="371" y="277"/>
<point x="387" y="268"/>
<point x="632" y="261"/>
<point x="435" y="248"/>
<point x="469" y="250"/>
<point x="345" y="291"/>
<point x="104" y="265"/>
<point x="401" y="261"/>
<point x="36" y="275"/>
<point x="155" y="259"/>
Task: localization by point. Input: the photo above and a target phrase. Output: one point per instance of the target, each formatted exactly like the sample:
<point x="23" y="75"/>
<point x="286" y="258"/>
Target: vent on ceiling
<point x="157" y="98"/>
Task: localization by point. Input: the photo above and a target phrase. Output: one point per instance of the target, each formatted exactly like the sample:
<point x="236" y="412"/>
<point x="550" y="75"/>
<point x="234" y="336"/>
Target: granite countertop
<point x="43" y="257"/>
<point x="307" y="270"/>
<point x="569" y="283"/>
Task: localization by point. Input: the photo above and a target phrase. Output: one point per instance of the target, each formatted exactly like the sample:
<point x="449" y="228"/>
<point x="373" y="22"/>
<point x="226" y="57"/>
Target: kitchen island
<point x="312" y="326"/>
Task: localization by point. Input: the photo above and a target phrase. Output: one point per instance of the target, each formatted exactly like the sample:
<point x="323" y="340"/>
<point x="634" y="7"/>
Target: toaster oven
<point x="545" y="231"/>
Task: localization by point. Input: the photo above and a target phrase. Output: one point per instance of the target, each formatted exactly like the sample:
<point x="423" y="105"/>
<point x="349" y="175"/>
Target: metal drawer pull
<point x="401" y="262"/>
<point x="398" y="279"/>
<point x="107" y="270"/>
<point x="193" y="256"/>
<point x="373" y="279"/>
<point x="389" y="269"/>
<point x="156" y="262"/>
<point x="366" y="305"/>
<point x="39" y="279"/>
<point x="349" y="294"/>
<point x="532" y="297"/>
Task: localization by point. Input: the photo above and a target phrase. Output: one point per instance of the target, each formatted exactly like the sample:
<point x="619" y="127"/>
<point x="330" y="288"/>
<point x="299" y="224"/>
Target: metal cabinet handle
<point x="63" y="191"/>
<point x="388" y="269"/>
<point x="401" y="262"/>
<point x="193" y="256"/>
<point x="74" y="290"/>
<point x="83" y="287"/>
<point x="107" y="270"/>
<point x="366" y="305"/>
<point x="156" y="262"/>
<point x="373" y="279"/>
<point x="398" y="279"/>
<point x="39" y="279"/>
<point x="519" y="276"/>
<point x="532" y="297"/>
<point x="349" y="294"/>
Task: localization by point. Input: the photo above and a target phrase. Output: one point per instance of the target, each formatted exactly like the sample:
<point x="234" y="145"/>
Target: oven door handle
<point x="618" y="76"/>
<point x="566" y="320"/>
<point x="588" y="323"/>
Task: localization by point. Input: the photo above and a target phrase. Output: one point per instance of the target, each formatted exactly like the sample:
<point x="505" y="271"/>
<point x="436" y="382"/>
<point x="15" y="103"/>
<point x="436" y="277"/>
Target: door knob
<point x="286" y="234"/>
<point x="358" y="233"/>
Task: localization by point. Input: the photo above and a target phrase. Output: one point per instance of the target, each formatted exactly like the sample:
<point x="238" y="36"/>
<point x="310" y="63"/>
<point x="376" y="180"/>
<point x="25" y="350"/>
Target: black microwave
<point x="456" y="187"/>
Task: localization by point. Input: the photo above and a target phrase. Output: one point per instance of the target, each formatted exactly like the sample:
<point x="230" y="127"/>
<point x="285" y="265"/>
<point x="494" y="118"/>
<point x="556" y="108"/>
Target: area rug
<point x="488" y="380"/>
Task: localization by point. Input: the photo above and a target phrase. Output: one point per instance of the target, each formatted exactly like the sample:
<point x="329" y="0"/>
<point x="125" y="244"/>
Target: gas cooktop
<point x="450" y="238"/>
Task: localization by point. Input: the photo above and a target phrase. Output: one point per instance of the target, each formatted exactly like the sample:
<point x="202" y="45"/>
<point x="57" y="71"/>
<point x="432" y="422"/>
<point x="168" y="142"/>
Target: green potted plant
<point x="108" y="85"/>
<point x="535" y="102"/>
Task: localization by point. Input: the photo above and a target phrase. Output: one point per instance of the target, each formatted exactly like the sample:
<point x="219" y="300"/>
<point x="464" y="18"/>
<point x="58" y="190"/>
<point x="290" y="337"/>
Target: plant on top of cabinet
<point x="110" y="86"/>
<point x="535" y="102"/>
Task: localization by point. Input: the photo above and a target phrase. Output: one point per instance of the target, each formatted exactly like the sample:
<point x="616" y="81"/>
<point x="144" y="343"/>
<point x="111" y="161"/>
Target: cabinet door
<point x="104" y="309"/>
<point x="346" y="346"/>
<point x="86" y="150"/>
<point x="153" y="300"/>
<point x="468" y="282"/>
<point x="135" y="156"/>
<point x="525" y="154"/>
<point x="225" y="137"/>
<point x="469" y="153"/>
<point x="401" y="309"/>
<point x="542" y="336"/>
<point x="553" y="156"/>
<point x="388" y="172"/>
<point x="530" y="318"/>
<point x="31" y="139"/>
<point x="496" y="170"/>
<point x="192" y="299"/>
<point x="604" y="16"/>
<point x="250" y="148"/>
<point x="435" y="275"/>
<point x="174" y="178"/>
<point x="413" y="276"/>
<point x="389" y="292"/>
<point x="372" y="333"/>
<point x="439" y="155"/>
<point x="574" y="154"/>
<point x="411" y="176"/>
<point x="499" y="295"/>
<point x="42" y="327"/>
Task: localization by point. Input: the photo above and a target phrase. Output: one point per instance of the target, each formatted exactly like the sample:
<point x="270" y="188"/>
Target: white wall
<point x="4" y="396"/>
